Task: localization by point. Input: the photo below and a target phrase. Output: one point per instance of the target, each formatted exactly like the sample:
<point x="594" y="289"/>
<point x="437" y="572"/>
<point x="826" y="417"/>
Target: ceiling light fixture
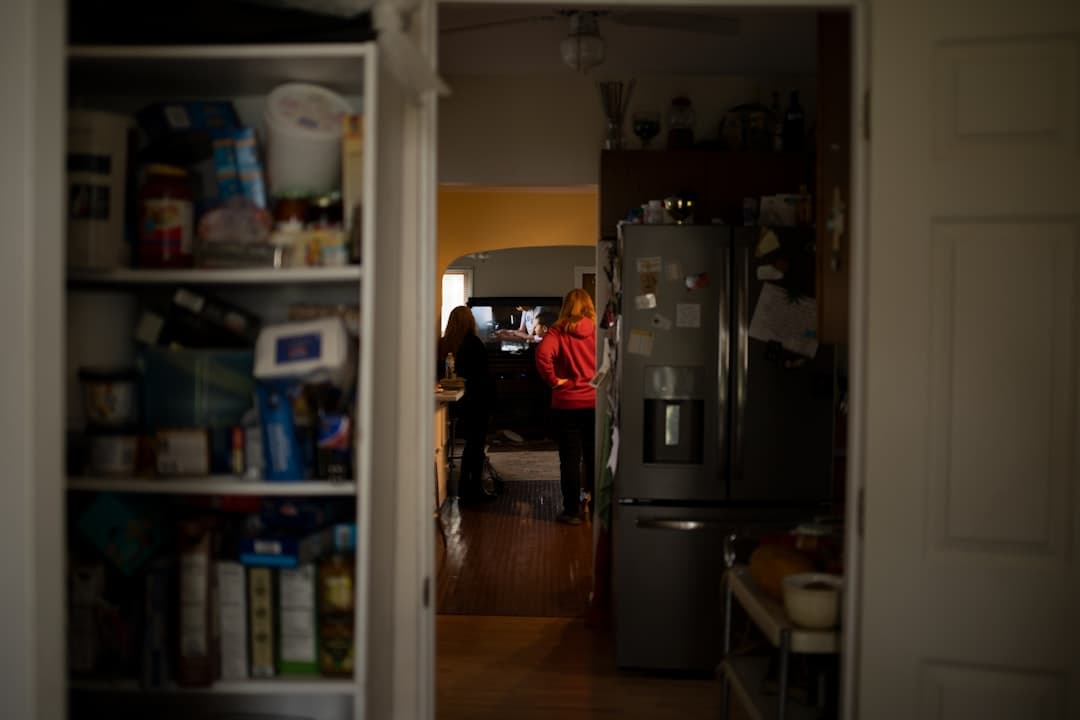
<point x="583" y="48"/>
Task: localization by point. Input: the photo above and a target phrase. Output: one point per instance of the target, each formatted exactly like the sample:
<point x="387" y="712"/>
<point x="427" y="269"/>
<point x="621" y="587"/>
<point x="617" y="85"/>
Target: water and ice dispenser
<point x="674" y="414"/>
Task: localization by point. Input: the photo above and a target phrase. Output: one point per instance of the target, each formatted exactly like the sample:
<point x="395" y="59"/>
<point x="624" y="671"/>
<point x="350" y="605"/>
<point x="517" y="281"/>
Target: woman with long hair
<point x="474" y="408"/>
<point x="566" y="360"/>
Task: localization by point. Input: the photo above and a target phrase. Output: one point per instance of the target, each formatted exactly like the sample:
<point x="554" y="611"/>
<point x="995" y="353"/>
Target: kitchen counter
<point x="443" y="399"/>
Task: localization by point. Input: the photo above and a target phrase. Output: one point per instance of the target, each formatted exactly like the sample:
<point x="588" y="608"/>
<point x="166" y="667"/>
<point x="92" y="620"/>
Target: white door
<point x="972" y="508"/>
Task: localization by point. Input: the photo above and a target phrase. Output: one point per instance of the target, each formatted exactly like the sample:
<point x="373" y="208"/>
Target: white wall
<point x="546" y="271"/>
<point x="549" y="129"/>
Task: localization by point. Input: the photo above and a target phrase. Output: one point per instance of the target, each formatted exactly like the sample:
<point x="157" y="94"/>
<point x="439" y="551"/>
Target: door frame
<point x="33" y="661"/>
<point x="857" y="345"/>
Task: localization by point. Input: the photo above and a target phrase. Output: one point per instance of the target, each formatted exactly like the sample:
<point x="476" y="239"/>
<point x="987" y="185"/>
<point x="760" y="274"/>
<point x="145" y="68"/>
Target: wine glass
<point x="646" y="125"/>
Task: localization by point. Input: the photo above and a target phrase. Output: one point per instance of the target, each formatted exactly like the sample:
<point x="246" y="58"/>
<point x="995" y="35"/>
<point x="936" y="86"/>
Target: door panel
<point x="783" y="402"/>
<point x="674" y="403"/>
<point x="667" y="577"/>
<point x="971" y="469"/>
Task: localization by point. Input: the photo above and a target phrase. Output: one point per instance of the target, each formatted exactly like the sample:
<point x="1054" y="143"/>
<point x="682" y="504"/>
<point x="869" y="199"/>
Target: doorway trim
<point x="858" y="297"/>
<point x="580" y="271"/>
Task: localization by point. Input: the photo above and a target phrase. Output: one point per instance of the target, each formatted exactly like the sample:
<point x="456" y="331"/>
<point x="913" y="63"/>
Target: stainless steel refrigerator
<point x="725" y="423"/>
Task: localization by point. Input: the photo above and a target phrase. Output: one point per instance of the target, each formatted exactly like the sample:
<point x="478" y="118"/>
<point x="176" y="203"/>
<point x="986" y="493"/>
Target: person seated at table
<point x="475" y="407"/>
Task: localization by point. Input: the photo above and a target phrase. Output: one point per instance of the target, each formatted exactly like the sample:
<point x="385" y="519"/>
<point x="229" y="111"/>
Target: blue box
<point x="290" y="552"/>
<point x="226" y="172"/>
<point x="248" y="167"/>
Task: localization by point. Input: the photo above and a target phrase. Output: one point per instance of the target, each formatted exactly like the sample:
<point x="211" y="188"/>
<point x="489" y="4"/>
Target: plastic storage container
<point x="303" y="139"/>
<point x="210" y="389"/>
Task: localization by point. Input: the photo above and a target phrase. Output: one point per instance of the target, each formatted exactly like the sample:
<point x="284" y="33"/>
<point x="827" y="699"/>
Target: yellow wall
<point x="474" y="219"/>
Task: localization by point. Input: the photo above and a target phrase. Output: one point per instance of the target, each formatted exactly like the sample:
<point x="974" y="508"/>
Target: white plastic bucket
<point x="303" y="139"/>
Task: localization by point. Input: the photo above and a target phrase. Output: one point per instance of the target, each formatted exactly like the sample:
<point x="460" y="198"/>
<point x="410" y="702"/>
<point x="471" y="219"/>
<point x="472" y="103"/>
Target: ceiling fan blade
<point x="498" y="23"/>
<point x="685" y="22"/>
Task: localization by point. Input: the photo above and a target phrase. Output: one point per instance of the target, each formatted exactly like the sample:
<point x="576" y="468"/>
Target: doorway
<point x="505" y="553"/>
<point x="591" y="112"/>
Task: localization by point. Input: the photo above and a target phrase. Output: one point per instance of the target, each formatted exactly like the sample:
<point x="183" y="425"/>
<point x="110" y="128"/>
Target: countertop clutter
<point x="188" y="184"/>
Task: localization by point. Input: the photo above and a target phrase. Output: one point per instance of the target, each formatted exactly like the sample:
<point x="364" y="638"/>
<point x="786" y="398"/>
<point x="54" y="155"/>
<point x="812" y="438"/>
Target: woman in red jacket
<point x="566" y="360"/>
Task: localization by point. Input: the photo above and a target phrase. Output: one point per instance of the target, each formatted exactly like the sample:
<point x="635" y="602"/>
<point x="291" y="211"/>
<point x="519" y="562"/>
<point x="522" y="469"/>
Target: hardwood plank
<point x="511" y="557"/>
<point x="503" y="667"/>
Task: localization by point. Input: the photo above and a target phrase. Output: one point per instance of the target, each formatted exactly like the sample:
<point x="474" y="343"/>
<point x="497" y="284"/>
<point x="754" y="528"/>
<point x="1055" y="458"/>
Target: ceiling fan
<point x="583" y="47"/>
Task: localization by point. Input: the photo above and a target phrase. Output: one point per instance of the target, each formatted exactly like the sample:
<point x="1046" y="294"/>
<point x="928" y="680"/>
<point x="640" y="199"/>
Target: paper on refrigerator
<point x="641" y="342"/>
<point x="605" y="367"/>
<point x="613" y="456"/>
<point x="779" y="318"/>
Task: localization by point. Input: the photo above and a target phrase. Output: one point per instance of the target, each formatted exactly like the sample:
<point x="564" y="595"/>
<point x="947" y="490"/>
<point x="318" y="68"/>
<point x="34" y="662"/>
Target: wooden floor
<point x="508" y="565"/>
<point x="551" y="668"/>
<point x="511" y="557"/>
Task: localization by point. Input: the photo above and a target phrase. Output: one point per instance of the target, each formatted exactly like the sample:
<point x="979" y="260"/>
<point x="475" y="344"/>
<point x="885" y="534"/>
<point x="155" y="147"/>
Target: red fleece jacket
<point x="570" y="355"/>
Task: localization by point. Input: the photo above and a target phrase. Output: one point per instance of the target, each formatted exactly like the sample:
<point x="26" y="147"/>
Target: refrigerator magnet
<point x="660" y="322"/>
<point x="650" y="264"/>
<point x="688" y="315"/>
<point x="641" y="342"/>
<point x="674" y="272"/>
<point x="767" y="242"/>
<point x="645" y="302"/>
<point x="769" y="272"/>
<point x="697" y="281"/>
<point x="648" y="282"/>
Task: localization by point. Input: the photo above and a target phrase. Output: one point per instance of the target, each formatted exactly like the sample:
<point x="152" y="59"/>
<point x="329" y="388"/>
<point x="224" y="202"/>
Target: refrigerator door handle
<point x="683" y="525"/>
<point x="723" y="372"/>
<point x="742" y="348"/>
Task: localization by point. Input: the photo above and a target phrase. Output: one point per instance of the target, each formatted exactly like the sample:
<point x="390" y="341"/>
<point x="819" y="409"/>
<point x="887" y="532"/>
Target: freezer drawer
<point x="668" y="564"/>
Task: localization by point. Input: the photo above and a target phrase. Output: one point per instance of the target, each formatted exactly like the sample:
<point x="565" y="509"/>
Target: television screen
<point x="514" y="324"/>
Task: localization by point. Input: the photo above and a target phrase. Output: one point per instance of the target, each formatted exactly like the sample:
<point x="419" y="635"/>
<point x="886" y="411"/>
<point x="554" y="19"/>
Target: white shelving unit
<point x="210" y="485"/>
<point x="254" y="276"/>
<point x="744" y="675"/>
<point x="123" y="79"/>
<point x="275" y="686"/>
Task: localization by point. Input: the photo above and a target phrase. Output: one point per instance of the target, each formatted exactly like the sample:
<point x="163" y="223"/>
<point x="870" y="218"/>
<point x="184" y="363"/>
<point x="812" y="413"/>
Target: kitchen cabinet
<point x="718" y="179"/>
<point x="833" y="175"/>
<point x="102" y="307"/>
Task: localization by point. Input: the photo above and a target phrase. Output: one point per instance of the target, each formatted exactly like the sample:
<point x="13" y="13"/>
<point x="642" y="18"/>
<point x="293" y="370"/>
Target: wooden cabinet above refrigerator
<point x="718" y="179"/>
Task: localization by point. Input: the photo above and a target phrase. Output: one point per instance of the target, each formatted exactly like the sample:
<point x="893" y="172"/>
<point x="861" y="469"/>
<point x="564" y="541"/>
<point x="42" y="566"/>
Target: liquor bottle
<point x="776" y="119"/>
<point x="794" y="121"/>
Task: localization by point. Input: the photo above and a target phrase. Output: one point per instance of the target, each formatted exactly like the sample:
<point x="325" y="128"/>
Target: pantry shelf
<point x="270" y="686"/>
<point x="244" y="276"/>
<point x="209" y="70"/>
<point x="211" y="485"/>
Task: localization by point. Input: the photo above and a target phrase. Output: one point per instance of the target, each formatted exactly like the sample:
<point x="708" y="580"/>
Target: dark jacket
<point x="471" y="363"/>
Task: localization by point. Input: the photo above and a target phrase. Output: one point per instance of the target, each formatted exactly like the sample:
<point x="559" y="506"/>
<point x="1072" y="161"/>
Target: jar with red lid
<point x="166" y="218"/>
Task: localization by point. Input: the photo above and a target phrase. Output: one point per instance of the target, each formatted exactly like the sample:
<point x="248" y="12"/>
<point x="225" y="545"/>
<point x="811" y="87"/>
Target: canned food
<point x="109" y="397"/>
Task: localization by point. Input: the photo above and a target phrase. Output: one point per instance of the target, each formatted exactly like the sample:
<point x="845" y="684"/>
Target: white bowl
<point x="812" y="600"/>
